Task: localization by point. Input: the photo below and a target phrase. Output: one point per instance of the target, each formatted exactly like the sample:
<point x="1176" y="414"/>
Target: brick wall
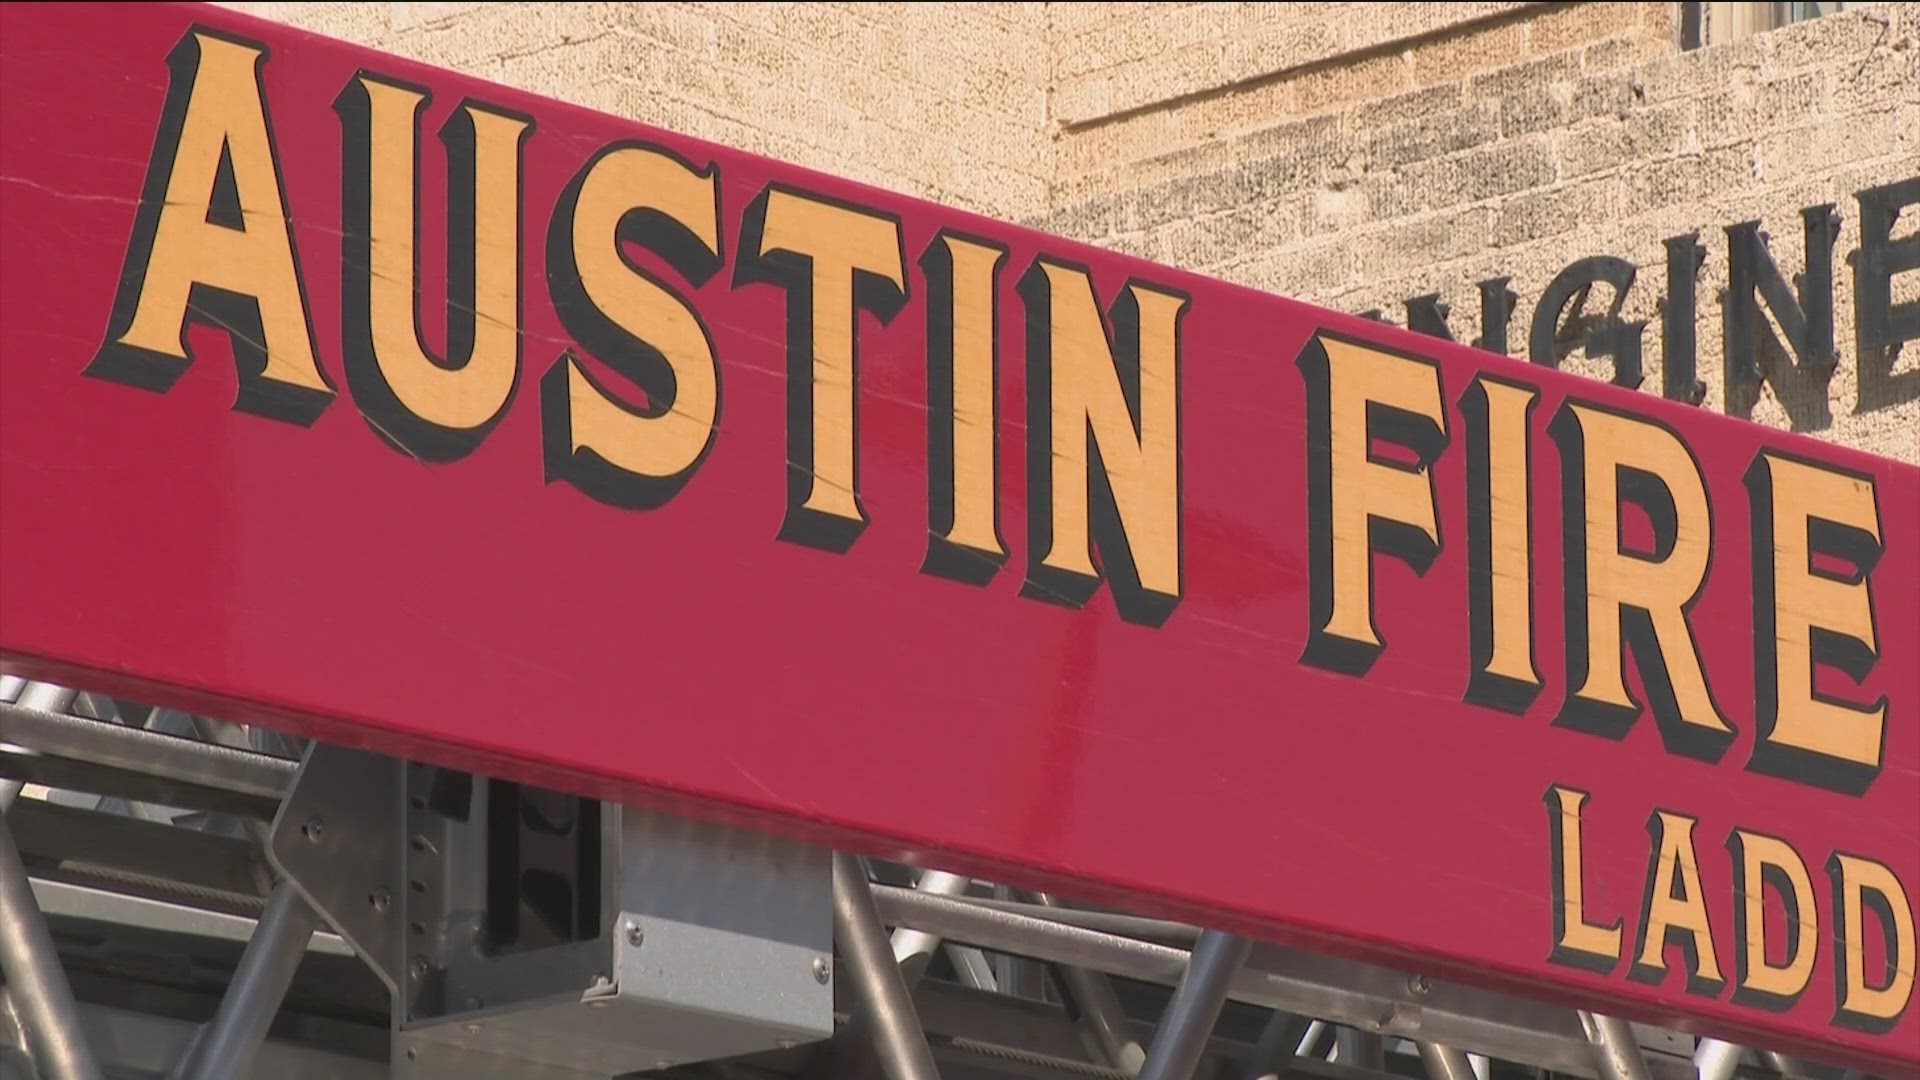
<point x="942" y="101"/>
<point x="1514" y="144"/>
<point x="1355" y="155"/>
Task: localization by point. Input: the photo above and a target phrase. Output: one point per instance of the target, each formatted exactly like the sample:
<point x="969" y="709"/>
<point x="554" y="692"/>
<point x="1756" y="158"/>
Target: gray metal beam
<point x="1717" y="1059"/>
<point x="63" y="899"/>
<point x="144" y="1044"/>
<point x="227" y="1045"/>
<point x="1445" y="1063"/>
<point x="1195" y="1008"/>
<point x="36" y="983"/>
<point x="243" y="772"/>
<point x="1616" y="1052"/>
<point x="897" y="1036"/>
<point x="1374" y="999"/>
<point x="1101" y="1013"/>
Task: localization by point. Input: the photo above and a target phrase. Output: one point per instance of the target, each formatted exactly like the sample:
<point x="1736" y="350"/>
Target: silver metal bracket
<point x="337" y="839"/>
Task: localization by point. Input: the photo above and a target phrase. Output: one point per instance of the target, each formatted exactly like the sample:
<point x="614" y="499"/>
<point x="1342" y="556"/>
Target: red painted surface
<point x="473" y="615"/>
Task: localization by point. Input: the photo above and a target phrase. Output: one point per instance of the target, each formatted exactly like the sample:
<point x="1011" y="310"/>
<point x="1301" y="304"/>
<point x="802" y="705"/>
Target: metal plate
<point x="336" y="840"/>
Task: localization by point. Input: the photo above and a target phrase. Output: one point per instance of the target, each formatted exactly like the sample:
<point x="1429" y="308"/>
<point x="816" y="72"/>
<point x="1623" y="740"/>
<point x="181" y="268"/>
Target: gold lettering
<point x="1576" y="942"/>
<point x="433" y="409"/>
<point x="1617" y="598"/>
<point x="1859" y="884"/>
<point x="1500" y="543"/>
<point x="1805" y="616"/>
<point x="1360" y="398"/>
<point x="962" y="413"/>
<point x="1103" y="452"/>
<point x="1665" y="913"/>
<point x="834" y="261"/>
<point x="1763" y="860"/>
<point x="213" y="243"/>
<point x="631" y="321"/>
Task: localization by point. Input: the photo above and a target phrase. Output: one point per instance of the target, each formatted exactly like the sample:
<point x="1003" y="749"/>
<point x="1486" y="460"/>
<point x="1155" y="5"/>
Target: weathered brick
<point x="1243" y="109"/>
<point x="406" y="16"/>
<point x="1373" y="77"/>
<point x="1748" y="110"/>
<point x="1608" y="94"/>
<point x="1327" y="211"/>
<point x="1138" y="84"/>
<point x="1404" y="107"/>
<point x="1395" y="193"/>
<point x="1175" y="200"/>
<point x="1224" y="238"/>
<point x="1798" y="152"/>
<point x="1302" y="150"/>
<point x="1431" y="136"/>
<point x="1298" y="270"/>
<point x="1432" y="239"/>
<point x="1281" y="42"/>
<point x="1649" y="134"/>
<point x="1119" y="144"/>
<point x="1531" y="96"/>
<point x="1709" y="70"/>
<point x="1466" y="53"/>
<point x="1554" y="211"/>
<point x="1484" y="172"/>
<point x="1871" y="79"/>
<point x="1688" y="179"/>
<point x="1847" y="38"/>
<point x="1567" y="26"/>
<point x="1624" y="52"/>
<point x="1147" y="33"/>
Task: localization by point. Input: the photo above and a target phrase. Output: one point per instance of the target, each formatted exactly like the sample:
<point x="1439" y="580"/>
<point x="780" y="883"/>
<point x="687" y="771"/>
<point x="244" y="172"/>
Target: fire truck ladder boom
<point x="188" y="898"/>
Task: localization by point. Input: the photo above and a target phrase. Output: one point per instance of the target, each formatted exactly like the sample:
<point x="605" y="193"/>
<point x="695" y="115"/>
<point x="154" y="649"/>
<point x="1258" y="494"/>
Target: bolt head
<point x="419" y="967"/>
<point x="635" y="935"/>
<point x="315" y="828"/>
<point x="381" y="899"/>
<point x="822" y="971"/>
<point x="1418" y="984"/>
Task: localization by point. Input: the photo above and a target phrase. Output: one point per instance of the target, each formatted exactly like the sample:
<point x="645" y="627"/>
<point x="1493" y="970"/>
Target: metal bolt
<point x="314" y="828"/>
<point x="381" y="899"/>
<point x="821" y="972"/>
<point x="1418" y="984"/>
<point x="419" y="967"/>
<point x="635" y="935"/>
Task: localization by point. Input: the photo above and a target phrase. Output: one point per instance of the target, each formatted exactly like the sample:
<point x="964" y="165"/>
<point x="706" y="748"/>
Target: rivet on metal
<point x="314" y="828"/>
<point x="821" y="972"/>
<point x="419" y="967"/>
<point x="1418" y="984"/>
<point x="381" y="899"/>
<point x="635" y="935"/>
